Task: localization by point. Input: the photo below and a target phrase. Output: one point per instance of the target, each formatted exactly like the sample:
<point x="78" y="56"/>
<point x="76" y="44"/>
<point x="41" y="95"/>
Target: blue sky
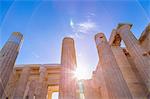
<point x="44" y="23"/>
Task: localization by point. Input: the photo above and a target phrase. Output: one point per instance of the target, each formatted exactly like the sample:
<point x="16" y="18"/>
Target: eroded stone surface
<point x="136" y="51"/>
<point x="115" y="83"/>
<point x="8" y="55"/>
<point x="68" y="83"/>
<point x="121" y="73"/>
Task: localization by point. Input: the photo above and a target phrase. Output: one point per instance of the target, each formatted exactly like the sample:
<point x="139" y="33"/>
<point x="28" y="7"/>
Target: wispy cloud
<point x="35" y="55"/>
<point x="83" y="28"/>
<point x="91" y="14"/>
<point x="86" y="27"/>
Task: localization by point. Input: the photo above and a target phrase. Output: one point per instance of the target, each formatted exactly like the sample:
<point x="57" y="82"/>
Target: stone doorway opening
<point x="55" y="95"/>
<point x="53" y="92"/>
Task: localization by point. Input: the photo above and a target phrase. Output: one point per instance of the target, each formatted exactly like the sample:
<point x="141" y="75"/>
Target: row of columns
<point x="114" y="81"/>
<point x="37" y="88"/>
<point x="141" y="61"/>
<point x="8" y="56"/>
<point x="135" y="85"/>
<point x="110" y="73"/>
<point x="114" y="74"/>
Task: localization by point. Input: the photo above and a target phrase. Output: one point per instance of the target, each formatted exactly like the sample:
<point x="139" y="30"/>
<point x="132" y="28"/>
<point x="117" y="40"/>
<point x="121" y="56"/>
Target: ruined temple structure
<point x="121" y="72"/>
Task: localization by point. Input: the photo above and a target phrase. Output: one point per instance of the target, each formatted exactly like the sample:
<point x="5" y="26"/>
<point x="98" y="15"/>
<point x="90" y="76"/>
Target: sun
<point x="80" y="73"/>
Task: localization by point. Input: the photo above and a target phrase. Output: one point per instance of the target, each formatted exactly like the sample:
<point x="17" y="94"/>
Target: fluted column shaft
<point x="31" y="92"/>
<point x="68" y="84"/>
<point x="91" y="90"/>
<point x="116" y="85"/>
<point x="42" y="86"/>
<point x="9" y="90"/>
<point x="100" y="82"/>
<point x="8" y="56"/>
<point x="128" y="74"/>
<point x="22" y="83"/>
<point x="136" y="51"/>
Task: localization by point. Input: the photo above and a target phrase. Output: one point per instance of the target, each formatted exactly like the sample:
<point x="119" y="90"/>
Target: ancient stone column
<point x="91" y="90"/>
<point x="9" y="89"/>
<point x="26" y="90"/>
<point x="68" y="83"/>
<point x="31" y="92"/>
<point x="98" y="80"/>
<point x="116" y="85"/>
<point x="136" y="51"/>
<point x="8" y="55"/>
<point x="22" y="83"/>
<point x="135" y="86"/>
<point x="42" y="86"/>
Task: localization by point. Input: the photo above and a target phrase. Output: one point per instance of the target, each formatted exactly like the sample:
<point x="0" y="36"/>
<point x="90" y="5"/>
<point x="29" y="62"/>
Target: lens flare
<point x="80" y="73"/>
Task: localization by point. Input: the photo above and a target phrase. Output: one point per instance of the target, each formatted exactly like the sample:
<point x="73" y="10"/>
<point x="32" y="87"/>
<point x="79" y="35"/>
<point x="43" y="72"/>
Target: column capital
<point x="122" y="27"/>
<point x="115" y="39"/>
<point x="43" y="73"/>
<point x="100" y="38"/>
<point x="42" y="69"/>
<point x="122" y="24"/>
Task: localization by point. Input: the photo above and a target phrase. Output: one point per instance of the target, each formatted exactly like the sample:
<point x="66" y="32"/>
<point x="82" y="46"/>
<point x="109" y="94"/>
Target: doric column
<point x="42" y="86"/>
<point x="136" y="51"/>
<point x="22" y="83"/>
<point x="9" y="90"/>
<point x="91" y="90"/>
<point x="31" y="92"/>
<point x="99" y="81"/>
<point x="8" y="56"/>
<point x="135" y="86"/>
<point x="116" y="85"/>
<point x="68" y="83"/>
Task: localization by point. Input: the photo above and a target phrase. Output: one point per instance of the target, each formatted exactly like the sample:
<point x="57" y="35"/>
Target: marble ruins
<point x="121" y="73"/>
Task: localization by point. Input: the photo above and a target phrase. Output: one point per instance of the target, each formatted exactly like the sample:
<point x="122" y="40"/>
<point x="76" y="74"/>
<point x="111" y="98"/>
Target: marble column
<point x="91" y="90"/>
<point x="9" y="90"/>
<point x="31" y="92"/>
<point x="100" y="82"/>
<point x="135" y="86"/>
<point x="136" y="51"/>
<point x="116" y="85"/>
<point x="68" y="83"/>
<point x="42" y="85"/>
<point x="8" y="55"/>
<point x="22" y="83"/>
